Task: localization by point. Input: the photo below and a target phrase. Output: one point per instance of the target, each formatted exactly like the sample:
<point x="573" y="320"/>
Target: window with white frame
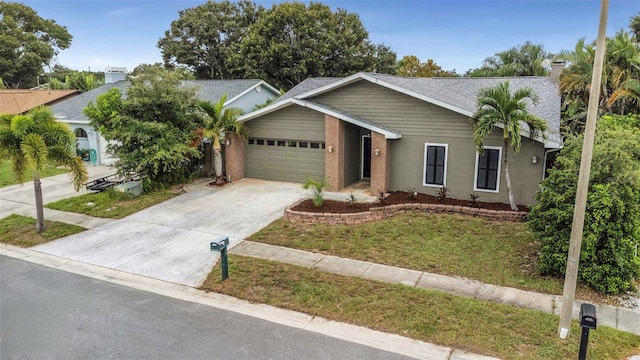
<point x="435" y="165"/>
<point x="487" y="176"/>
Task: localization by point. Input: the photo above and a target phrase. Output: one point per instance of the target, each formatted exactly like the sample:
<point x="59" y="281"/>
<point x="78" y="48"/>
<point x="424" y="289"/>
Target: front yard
<point x="495" y="252"/>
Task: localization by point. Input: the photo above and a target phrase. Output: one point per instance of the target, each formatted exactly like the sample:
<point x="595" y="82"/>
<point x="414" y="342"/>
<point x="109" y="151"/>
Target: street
<point x="51" y="314"/>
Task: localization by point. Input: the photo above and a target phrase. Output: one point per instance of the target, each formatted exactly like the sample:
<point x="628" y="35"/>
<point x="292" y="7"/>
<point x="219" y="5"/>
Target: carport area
<point x="170" y="241"/>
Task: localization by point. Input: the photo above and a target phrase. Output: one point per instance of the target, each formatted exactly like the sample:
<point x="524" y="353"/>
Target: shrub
<point x="442" y="194"/>
<point x="473" y="197"/>
<point x="318" y="188"/>
<point x="608" y="258"/>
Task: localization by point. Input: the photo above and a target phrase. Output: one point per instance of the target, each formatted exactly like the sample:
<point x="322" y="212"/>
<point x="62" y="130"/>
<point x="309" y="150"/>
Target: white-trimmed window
<point x="435" y="165"/>
<point x="487" y="176"/>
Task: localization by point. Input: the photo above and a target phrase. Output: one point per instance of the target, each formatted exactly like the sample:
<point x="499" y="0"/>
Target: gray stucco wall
<point x="294" y="123"/>
<point x="420" y="123"/>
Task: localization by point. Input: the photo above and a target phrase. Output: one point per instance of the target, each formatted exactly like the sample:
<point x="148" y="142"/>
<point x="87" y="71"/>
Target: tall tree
<point x="634" y="25"/>
<point x="497" y="106"/>
<point x="82" y="81"/>
<point x="217" y="123"/>
<point x="205" y="37"/>
<point x="292" y="41"/>
<point x="620" y="71"/>
<point x="411" y="66"/>
<point x="30" y="142"/>
<point x="522" y="60"/>
<point x="27" y="43"/>
<point x="153" y="129"/>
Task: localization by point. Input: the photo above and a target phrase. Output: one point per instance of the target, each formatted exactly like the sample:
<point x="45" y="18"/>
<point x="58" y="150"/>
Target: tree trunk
<point x="512" y="201"/>
<point x="39" y="206"/>
<point x="217" y="160"/>
<point x="208" y="159"/>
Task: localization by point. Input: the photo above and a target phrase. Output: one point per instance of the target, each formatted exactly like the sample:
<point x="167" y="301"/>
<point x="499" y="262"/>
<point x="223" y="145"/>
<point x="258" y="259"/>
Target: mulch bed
<point x="395" y="197"/>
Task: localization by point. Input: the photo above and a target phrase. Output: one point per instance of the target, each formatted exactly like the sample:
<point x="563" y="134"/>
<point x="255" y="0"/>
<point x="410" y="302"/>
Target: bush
<point x="608" y="260"/>
<point x="318" y="188"/>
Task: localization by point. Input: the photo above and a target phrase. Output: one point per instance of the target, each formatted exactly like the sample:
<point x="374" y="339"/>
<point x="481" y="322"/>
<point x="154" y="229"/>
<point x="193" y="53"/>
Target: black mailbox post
<point x="220" y="244"/>
<point x="588" y="321"/>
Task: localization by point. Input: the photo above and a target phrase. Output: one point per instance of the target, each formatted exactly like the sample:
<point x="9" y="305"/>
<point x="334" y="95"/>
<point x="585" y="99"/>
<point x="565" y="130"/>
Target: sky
<point x="457" y="35"/>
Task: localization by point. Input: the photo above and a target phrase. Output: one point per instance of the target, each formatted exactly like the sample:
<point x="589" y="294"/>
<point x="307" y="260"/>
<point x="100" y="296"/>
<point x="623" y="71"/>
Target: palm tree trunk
<point x="512" y="201"/>
<point x="39" y="206"/>
<point x="217" y="160"/>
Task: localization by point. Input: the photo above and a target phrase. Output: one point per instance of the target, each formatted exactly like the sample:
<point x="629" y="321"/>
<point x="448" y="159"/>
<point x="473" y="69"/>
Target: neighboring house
<point x="20" y="101"/>
<point x="396" y="132"/>
<point x="243" y="94"/>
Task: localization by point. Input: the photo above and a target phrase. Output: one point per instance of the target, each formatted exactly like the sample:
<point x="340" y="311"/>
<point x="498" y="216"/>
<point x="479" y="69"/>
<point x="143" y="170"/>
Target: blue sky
<point x="456" y="34"/>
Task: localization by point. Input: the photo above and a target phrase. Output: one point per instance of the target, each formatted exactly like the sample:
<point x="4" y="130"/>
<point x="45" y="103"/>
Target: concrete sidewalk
<point x="615" y="317"/>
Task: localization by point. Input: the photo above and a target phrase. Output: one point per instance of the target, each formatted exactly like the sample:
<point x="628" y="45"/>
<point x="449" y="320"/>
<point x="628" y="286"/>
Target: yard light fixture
<point x="227" y="142"/>
<point x="330" y="149"/>
<point x="376" y="152"/>
<point x="534" y="159"/>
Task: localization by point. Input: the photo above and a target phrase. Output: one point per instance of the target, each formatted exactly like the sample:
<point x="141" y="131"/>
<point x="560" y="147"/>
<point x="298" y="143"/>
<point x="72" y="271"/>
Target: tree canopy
<point x="27" y="43"/>
<point x="153" y="129"/>
<point x="522" y="60"/>
<point x="282" y="45"/>
<point x="411" y="66"/>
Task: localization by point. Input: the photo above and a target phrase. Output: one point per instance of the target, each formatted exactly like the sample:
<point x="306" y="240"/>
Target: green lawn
<point x="110" y="203"/>
<point x="7" y="178"/>
<point x="21" y="231"/>
<point x="477" y="326"/>
<point x="495" y="252"/>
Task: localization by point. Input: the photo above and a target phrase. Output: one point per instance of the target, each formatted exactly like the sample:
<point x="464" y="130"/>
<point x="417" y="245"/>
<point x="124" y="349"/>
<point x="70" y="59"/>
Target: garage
<point x="284" y="159"/>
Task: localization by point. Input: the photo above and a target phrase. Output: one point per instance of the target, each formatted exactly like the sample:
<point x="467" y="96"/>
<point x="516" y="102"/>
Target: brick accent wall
<point x="334" y="138"/>
<point x="379" y="164"/>
<point x="234" y="158"/>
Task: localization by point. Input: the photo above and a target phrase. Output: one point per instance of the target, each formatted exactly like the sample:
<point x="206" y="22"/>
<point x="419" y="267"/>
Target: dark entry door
<point x="366" y="156"/>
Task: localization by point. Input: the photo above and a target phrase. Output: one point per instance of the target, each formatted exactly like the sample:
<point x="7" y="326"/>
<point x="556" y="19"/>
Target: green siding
<point x="293" y="122"/>
<point x="419" y="123"/>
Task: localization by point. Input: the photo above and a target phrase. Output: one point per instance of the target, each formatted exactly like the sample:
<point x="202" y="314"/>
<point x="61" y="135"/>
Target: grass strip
<point x="110" y="203"/>
<point x="7" y="178"/>
<point x="21" y="231"/>
<point x="473" y="325"/>
<point x="496" y="252"/>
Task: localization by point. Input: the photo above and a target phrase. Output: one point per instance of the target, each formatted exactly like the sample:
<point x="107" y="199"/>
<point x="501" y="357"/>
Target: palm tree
<point x="31" y="141"/>
<point x="497" y="106"/>
<point x="523" y="60"/>
<point x="219" y="121"/>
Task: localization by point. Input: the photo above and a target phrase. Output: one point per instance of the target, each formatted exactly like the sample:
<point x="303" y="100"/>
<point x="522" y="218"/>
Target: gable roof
<point x="19" y="101"/>
<point x="209" y="90"/>
<point x="456" y="94"/>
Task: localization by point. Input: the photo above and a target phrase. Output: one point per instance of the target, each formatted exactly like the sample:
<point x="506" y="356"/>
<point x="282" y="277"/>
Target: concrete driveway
<point x="170" y="241"/>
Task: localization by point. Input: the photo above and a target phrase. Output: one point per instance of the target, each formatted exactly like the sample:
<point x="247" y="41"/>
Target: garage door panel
<point x="284" y="163"/>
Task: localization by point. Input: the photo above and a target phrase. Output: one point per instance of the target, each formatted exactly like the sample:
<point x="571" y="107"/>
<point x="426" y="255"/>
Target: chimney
<point x="556" y="68"/>
<point x="113" y="74"/>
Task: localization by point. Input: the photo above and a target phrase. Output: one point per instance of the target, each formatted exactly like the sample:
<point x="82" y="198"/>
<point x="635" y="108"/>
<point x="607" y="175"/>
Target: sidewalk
<point x="615" y="317"/>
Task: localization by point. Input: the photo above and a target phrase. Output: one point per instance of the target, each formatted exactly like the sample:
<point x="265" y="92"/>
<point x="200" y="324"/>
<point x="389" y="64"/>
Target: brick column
<point x="234" y="157"/>
<point x="379" y="164"/>
<point x="334" y="138"/>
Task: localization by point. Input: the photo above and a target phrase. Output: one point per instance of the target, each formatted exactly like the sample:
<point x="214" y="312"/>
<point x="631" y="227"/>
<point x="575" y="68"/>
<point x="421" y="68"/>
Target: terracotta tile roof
<point x="18" y="101"/>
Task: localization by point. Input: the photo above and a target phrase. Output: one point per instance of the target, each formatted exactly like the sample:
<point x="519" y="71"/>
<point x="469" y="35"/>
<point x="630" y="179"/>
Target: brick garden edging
<point x="383" y="212"/>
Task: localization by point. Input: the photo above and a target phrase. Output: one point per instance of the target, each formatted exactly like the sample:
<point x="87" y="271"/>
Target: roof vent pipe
<point x="556" y="68"/>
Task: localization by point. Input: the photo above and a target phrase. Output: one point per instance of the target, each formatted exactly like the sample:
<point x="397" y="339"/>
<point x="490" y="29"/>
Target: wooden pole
<point x="573" y="258"/>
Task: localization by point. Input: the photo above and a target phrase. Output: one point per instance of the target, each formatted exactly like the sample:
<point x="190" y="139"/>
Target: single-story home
<point x="20" y="101"/>
<point x="395" y="132"/>
<point x="243" y="94"/>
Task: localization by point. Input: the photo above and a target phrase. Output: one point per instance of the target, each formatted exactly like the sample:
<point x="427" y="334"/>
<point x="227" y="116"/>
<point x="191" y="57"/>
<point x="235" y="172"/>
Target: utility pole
<point x="573" y="258"/>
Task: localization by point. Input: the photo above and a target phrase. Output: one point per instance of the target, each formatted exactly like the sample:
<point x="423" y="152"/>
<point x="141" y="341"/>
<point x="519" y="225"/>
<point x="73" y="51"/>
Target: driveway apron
<point x="170" y="241"/>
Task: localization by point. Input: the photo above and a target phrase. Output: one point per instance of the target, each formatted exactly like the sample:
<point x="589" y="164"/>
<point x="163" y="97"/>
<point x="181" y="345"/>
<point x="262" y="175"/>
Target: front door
<point x="366" y="156"/>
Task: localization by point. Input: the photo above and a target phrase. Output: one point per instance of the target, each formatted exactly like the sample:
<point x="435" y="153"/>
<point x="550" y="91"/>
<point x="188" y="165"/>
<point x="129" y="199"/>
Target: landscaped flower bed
<point x="338" y="212"/>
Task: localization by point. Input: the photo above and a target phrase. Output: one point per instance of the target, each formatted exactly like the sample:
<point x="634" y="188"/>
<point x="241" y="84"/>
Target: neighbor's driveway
<point x="170" y="241"/>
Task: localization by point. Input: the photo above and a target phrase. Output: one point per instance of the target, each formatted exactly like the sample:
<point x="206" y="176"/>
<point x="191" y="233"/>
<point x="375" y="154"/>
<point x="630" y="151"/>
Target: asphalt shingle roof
<point x="209" y="90"/>
<point x="458" y="92"/>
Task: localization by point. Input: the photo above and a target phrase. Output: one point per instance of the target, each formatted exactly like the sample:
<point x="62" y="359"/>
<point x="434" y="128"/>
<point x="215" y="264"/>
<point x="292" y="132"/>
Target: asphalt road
<point x="51" y="314"/>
